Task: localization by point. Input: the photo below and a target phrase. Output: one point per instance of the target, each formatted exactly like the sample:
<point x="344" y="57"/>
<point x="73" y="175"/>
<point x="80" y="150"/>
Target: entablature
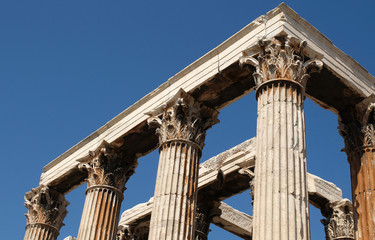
<point x="216" y="80"/>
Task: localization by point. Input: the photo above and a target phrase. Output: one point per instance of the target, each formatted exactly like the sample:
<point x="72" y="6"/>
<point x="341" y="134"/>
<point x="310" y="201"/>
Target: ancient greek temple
<point x="283" y="59"/>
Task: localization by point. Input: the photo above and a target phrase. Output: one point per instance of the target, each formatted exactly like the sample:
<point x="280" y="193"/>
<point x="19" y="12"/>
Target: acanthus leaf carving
<point x="359" y="130"/>
<point x="368" y="132"/>
<point x="281" y="58"/>
<point x="250" y="173"/>
<point x="108" y="165"/>
<point x="366" y="112"/>
<point x="46" y="206"/>
<point x="351" y="132"/>
<point x="339" y="224"/>
<point x="182" y="118"/>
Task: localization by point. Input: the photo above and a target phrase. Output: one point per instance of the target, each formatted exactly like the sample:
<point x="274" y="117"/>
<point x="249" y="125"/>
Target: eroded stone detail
<point x="235" y="216"/>
<point x="182" y="118"/>
<point x="359" y="131"/>
<point x="281" y="58"/>
<point x="108" y="165"/>
<point x="123" y="233"/>
<point x="340" y="224"/>
<point x="126" y="232"/>
<point x="250" y="173"/>
<point x="366" y="111"/>
<point x="217" y="161"/>
<point x="46" y="206"/>
<point x="328" y="188"/>
<point x="202" y="224"/>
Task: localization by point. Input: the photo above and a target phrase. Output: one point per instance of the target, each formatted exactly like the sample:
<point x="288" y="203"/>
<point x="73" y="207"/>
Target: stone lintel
<point x="233" y="221"/>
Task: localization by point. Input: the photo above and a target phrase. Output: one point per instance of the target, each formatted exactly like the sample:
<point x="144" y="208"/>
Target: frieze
<point x="328" y="188"/>
<point x="235" y="216"/>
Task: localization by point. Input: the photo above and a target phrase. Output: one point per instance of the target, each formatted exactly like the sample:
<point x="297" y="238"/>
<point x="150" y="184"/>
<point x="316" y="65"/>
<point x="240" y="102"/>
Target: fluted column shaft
<point x="362" y="171"/>
<point x="46" y="212"/>
<point x="281" y="209"/>
<point x="108" y="170"/>
<point x="181" y="125"/>
<point x="175" y="195"/>
<point x="100" y="213"/>
<point x="39" y="231"/>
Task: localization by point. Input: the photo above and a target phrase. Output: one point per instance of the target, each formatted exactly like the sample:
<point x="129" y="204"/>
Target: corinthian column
<point x="181" y="126"/>
<point x="108" y="170"/>
<point x="359" y="136"/>
<point x="46" y="212"/>
<point x="281" y="207"/>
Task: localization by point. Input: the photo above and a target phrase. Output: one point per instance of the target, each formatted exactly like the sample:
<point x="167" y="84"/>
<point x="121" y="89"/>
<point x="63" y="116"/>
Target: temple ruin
<point x="292" y="61"/>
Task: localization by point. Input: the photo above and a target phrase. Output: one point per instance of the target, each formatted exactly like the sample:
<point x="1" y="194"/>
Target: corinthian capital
<point x="359" y="131"/>
<point x="46" y="206"/>
<point x="281" y="57"/>
<point x="366" y="115"/>
<point x="182" y="118"/>
<point x="109" y="166"/>
<point x="340" y="224"/>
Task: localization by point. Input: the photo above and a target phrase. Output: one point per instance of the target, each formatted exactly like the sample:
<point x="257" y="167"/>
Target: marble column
<point x="281" y="207"/>
<point x="181" y="124"/>
<point x="46" y="212"/>
<point x="339" y="223"/>
<point x="359" y="136"/>
<point x="108" y="170"/>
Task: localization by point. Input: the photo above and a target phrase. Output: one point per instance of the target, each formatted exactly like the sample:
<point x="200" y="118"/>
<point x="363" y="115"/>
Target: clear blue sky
<point x="68" y="67"/>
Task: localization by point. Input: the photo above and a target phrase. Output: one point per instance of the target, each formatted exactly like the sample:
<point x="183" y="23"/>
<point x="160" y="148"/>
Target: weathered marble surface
<point x="181" y="128"/>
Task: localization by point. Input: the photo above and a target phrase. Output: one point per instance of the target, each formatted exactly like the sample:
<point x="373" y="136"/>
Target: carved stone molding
<point x="45" y="206"/>
<point x="340" y="224"/>
<point x="182" y="118"/>
<point x="281" y="57"/>
<point x="109" y="166"/>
